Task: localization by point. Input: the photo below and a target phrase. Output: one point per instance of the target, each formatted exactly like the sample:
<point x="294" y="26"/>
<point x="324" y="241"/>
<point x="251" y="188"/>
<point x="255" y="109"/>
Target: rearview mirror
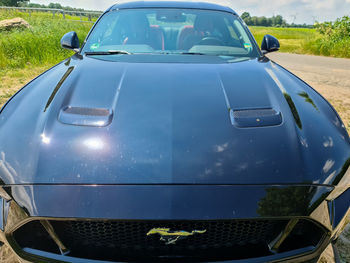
<point x="269" y="44"/>
<point x="70" y="41"/>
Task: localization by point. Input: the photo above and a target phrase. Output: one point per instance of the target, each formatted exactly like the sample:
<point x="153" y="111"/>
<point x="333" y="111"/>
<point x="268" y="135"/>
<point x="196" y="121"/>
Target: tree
<point x="262" y="21"/>
<point x="12" y="2"/>
<point x="55" y="6"/>
<point x="277" y="20"/>
<point x="245" y="16"/>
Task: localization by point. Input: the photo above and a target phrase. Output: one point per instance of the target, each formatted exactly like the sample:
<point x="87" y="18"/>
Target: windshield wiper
<point x="191" y="53"/>
<point x="109" y="52"/>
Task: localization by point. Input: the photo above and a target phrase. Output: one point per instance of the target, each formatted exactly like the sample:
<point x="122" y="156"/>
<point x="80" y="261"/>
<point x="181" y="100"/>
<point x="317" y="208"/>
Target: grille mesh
<point x="125" y="241"/>
<point x="128" y="240"/>
<point x="134" y="234"/>
<point x="87" y="111"/>
<point x="255" y="113"/>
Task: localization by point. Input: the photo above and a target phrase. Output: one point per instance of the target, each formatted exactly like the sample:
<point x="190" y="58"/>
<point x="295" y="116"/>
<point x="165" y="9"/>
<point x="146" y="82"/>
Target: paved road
<point x="316" y="69"/>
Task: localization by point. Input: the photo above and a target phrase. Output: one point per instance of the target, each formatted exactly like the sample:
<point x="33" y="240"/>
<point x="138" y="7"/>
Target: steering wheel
<point x="211" y="41"/>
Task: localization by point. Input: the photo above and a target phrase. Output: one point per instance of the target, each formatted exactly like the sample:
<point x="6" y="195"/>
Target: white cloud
<point x="306" y="11"/>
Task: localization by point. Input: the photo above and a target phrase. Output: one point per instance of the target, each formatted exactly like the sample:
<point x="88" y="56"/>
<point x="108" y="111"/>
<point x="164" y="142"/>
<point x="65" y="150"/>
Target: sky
<point x="299" y="11"/>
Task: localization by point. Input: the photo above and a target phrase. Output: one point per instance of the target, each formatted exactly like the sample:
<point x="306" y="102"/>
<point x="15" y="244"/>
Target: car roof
<point x="171" y="4"/>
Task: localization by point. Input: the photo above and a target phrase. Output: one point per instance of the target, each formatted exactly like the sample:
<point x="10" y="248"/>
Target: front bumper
<point x="176" y="203"/>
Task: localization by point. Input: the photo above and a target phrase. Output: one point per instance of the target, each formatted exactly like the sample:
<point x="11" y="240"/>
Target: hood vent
<point x="94" y="117"/>
<point x="255" y="118"/>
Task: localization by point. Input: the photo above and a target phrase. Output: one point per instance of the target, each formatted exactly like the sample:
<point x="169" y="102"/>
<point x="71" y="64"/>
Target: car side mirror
<point x="70" y="41"/>
<point x="269" y="44"/>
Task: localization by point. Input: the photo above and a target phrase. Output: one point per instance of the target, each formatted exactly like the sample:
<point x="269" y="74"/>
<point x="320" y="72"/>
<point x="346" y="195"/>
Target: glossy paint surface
<point x="172" y="137"/>
<point x="206" y="202"/>
<point x="171" y="125"/>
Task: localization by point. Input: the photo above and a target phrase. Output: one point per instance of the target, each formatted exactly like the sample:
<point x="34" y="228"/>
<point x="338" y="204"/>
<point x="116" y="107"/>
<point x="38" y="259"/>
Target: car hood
<point x="92" y="121"/>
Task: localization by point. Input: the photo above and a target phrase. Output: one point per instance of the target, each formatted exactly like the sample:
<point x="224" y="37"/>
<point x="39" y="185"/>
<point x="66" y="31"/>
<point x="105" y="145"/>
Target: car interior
<point x="174" y="30"/>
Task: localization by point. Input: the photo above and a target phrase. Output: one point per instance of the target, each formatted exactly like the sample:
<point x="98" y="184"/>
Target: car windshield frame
<point x="254" y="52"/>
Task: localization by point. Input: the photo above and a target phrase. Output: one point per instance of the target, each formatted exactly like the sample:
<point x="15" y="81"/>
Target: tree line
<point x="275" y="21"/>
<point x="52" y="6"/>
<point x="26" y="3"/>
<point x="12" y="2"/>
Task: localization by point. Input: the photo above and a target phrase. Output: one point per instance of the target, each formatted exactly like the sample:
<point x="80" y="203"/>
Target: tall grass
<point x="291" y="39"/>
<point x="322" y="46"/>
<point x="333" y="40"/>
<point x="40" y="44"/>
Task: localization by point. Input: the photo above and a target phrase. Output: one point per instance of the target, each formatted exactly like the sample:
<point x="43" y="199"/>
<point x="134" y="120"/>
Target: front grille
<point x="134" y="234"/>
<point x="128" y="240"/>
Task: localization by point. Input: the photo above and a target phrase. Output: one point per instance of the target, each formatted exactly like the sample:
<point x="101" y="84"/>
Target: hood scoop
<point x="95" y="117"/>
<point x="248" y="118"/>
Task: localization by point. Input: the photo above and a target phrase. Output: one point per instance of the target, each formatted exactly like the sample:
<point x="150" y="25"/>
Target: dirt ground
<point x="329" y="76"/>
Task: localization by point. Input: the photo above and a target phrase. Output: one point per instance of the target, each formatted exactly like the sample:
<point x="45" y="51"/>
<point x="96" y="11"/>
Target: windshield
<point x="170" y="31"/>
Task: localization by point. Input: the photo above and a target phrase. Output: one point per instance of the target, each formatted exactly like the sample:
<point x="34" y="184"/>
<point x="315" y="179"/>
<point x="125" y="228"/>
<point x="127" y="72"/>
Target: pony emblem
<point x="171" y="237"/>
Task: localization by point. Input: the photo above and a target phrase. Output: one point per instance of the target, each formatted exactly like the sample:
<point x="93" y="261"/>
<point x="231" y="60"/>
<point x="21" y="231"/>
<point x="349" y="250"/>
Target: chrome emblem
<point x="171" y="237"/>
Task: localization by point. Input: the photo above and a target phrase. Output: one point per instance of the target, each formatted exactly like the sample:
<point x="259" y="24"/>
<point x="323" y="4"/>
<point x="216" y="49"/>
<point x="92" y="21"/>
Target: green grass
<point x="292" y="40"/>
<point x="304" y="41"/>
<point x="324" y="47"/>
<point x="38" y="45"/>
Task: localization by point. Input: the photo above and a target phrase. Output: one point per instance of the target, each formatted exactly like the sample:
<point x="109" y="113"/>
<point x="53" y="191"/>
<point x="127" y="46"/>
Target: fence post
<point x="89" y="17"/>
<point x="64" y="14"/>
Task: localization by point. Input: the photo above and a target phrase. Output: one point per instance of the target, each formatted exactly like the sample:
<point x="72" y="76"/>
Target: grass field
<point x="38" y="45"/>
<point x="292" y="40"/>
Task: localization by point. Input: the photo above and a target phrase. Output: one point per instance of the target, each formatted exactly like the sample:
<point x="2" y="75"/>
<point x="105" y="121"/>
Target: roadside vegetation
<point x="333" y="39"/>
<point x="292" y="40"/>
<point x="39" y="44"/>
<point x="274" y="21"/>
<point x="326" y="39"/>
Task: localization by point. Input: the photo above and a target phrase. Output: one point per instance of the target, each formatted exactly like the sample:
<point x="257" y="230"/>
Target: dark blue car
<point x="170" y="137"/>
